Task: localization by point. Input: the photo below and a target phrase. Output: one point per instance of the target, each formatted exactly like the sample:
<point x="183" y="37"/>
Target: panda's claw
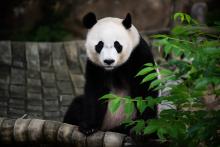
<point x="87" y="131"/>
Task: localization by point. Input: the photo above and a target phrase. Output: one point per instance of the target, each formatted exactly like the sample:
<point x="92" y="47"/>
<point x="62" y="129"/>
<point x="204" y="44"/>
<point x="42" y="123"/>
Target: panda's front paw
<point x="87" y="130"/>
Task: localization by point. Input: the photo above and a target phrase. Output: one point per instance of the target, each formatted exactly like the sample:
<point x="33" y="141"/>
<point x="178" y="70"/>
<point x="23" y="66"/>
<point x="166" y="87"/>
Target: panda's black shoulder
<point x="142" y="46"/>
<point x="143" y="52"/>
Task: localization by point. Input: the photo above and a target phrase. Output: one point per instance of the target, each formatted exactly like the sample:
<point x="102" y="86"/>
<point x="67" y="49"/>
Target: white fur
<point x="110" y="30"/>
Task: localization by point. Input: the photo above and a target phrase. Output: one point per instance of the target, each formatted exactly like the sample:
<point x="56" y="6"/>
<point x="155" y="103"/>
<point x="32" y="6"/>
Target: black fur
<point x="99" y="46"/>
<point x="127" y="21"/>
<point x="88" y="111"/>
<point x="89" y="20"/>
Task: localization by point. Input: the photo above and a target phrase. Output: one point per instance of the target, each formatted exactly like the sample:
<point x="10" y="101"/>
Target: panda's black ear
<point x="127" y="21"/>
<point x="89" y="20"/>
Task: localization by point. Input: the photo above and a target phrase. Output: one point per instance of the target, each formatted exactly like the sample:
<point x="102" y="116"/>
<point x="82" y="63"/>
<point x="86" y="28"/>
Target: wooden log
<point x="64" y="134"/>
<point x="78" y="138"/>
<point x="37" y="131"/>
<point x="96" y="139"/>
<point x="112" y="139"/>
<point x="20" y="130"/>
<point x="50" y="130"/>
<point x="6" y="130"/>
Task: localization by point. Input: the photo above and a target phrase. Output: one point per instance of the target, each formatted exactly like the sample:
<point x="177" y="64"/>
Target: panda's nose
<point x="109" y="61"/>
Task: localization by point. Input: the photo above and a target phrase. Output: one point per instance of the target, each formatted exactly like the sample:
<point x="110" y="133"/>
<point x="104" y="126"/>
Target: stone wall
<point x="40" y="79"/>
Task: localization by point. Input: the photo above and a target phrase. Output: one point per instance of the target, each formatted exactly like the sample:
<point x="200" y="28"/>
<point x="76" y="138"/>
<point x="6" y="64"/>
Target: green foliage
<point x="198" y="73"/>
<point x="54" y="32"/>
<point x="193" y="75"/>
<point x="50" y="26"/>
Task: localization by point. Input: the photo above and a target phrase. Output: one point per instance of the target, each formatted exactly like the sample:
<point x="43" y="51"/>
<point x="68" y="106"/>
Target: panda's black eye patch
<point x="118" y="46"/>
<point x="99" y="46"/>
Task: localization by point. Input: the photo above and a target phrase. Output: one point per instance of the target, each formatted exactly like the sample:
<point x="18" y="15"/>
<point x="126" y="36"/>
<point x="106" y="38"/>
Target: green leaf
<point x="141" y="105"/>
<point x="151" y="102"/>
<point x="128" y="122"/>
<point x="155" y="83"/>
<point x="161" y="132"/>
<point x="129" y="107"/>
<point x="145" y="71"/>
<point x="181" y="15"/>
<point x="159" y="36"/>
<point x="201" y="83"/>
<point x="212" y="50"/>
<point x="149" y="77"/>
<point x="160" y="87"/>
<point x="167" y="49"/>
<point x="148" y="64"/>
<point x="114" y="104"/>
<point x="177" y="51"/>
<point x="150" y="129"/>
<point x="165" y="72"/>
<point x="139" y="126"/>
<point x="188" y="18"/>
<point x="108" y="96"/>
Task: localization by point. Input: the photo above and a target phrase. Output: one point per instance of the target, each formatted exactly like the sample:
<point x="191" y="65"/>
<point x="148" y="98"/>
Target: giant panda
<point x="116" y="53"/>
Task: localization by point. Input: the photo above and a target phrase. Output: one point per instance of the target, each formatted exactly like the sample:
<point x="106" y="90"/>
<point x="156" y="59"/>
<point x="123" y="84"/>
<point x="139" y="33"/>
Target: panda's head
<point x="110" y="41"/>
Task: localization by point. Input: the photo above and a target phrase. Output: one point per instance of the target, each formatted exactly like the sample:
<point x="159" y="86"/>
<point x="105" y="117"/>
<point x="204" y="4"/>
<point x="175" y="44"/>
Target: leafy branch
<point x="192" y="79"/>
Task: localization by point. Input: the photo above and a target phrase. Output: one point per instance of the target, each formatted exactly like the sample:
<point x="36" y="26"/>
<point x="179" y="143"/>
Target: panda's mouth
<point x="109" y="67"/>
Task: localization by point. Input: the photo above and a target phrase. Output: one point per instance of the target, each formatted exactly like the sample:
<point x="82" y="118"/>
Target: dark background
<point x="59" y="20"/>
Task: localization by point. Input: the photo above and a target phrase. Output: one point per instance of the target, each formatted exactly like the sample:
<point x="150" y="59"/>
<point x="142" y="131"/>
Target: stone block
<point x="34" y="85"/>
<point x="52" y="114"/>
<point x="78" y="80"/>
<point x="82" y="61"/>
<point x="15" y="112"/>
<point x="18" y="76"/>
<point x="45" y="56"/>
<point x="3" y="107"/>
<point x="18" y="54"/>
<point x="4" y="93"/>
<point x="48" y="79"/>
<point x="50" y="93"/>
<point x="5" y="74"/>
<point x="3" y="103"/>
<point x="4" y="87"/>
<point x="79" y="91"/>
<point x="81" y="47"/>
<point x="32" y="56"/>
<point x="3" y="112"/>
<point x="17" y="103"/>
<point x="34" y="108"/>
<point x="34" y="82"/>
<point x="63" y="110"/>
<point x="66" y="100"/>
<point x="5" y="52"/>
<point x="59" y="57"/>
<point x="62" y="75"/>
<point x="18" y="91"/>
<point x="72" y="57"/>
<point x="33" y="74"/>
<point x="34" y="96"/>
<point x="51" y="102"/>
<point x="4" y="79"/>
<point x="65" y="87"/>
<point x="35" y="114"/>
<point x="51" y="105"/>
